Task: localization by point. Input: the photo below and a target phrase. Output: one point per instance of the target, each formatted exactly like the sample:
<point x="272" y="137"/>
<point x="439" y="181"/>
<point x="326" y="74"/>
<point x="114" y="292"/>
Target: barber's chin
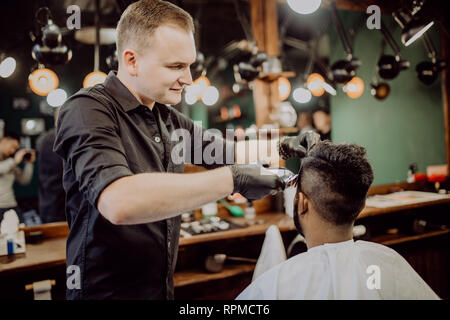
<point x="173" y="99"/>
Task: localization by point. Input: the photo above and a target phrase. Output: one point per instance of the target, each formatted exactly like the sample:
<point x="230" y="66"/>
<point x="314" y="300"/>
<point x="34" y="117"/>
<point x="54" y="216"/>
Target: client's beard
<point x="296" y="220"/>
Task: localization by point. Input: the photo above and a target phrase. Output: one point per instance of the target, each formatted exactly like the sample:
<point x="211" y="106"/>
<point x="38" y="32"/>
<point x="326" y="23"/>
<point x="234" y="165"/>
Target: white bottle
<point x="10" y="223"/>
<point x="9" y="228"/>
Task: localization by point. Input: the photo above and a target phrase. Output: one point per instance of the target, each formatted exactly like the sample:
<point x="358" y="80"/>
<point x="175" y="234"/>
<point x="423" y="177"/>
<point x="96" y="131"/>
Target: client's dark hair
<point x="336" y="178"/>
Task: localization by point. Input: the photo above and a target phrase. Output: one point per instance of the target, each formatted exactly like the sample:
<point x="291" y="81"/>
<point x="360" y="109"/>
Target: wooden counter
<point x="52" y="252"/>
<point x="49" y="253"/>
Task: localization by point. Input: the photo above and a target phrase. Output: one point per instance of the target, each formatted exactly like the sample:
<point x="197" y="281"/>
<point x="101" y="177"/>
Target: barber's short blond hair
<point x="140" y="20"/>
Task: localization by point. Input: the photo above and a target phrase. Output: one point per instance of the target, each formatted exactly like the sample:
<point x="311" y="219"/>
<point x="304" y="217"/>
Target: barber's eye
<point x="178" y="67"/>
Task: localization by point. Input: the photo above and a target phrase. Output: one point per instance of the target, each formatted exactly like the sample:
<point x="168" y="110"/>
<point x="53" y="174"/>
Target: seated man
<point x="332" y="187"/>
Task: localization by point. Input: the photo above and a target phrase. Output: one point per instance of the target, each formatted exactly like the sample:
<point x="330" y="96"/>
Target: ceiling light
<point x="302" y="95"/>
<point x="389" y="66"/>
<point x="42" y="81"/>
<point x="304" y="6"/>
<point x="210" y="96"/>
<point x="343" y="70"/>
<point x="380" y="90"/>
<point x="413" y="26"/>
<point x="7" y="67"/>
<point x="93" y="78"/>
<point x="57" y="97"/>
<point x="284" y="88"/>
<point x="354" y="88"/>
<point x="315" y="84"/>
<point x="49" y="50"/>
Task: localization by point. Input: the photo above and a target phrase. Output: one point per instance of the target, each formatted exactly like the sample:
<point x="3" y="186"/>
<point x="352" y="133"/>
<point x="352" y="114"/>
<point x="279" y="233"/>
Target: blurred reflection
<point x="322" y="122"/>
<point x="51" y="192"/>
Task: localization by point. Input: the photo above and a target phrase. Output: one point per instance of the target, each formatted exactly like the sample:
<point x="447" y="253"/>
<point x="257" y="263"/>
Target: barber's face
<point x="8" y="147"/>
<point x="163" y="68"/>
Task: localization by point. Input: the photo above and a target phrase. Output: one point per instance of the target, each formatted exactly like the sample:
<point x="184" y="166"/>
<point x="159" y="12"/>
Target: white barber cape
<point x="344" y="270"/>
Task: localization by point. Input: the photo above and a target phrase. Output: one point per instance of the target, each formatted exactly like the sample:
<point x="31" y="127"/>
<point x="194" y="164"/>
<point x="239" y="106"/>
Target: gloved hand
<point x="298" y="146"/>
<point x="254" y="181"/>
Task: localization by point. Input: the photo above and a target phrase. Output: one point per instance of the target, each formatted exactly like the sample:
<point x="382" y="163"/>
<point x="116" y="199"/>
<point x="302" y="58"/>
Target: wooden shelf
<point x="371" y="211"/>
<point x="281" y="220"/>
<point x="194" y="276"/>
<point x="389" y="239"/>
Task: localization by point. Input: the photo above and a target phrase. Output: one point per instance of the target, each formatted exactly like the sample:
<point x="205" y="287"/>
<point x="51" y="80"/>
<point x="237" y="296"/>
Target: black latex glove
<point x="297" y="146"/>
<point x="254" y="182"/>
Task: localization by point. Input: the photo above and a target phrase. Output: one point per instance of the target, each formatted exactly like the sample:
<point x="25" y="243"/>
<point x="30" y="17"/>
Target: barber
<point x="124" y="192"/>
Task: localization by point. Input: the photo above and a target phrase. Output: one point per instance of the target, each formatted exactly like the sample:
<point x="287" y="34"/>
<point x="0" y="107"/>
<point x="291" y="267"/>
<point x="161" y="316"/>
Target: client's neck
<point x="324" y="232"/>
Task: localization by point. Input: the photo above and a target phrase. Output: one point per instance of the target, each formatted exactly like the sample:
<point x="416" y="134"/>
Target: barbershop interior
<point x="374" y="73"/>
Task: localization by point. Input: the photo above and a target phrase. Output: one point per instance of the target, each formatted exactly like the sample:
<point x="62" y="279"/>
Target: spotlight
<point x="189" y="98"/>
<point x="210" y="96"/>
<point x="42" y="81"/>
<point x="354" y="88"/>
<point x="413" y="27"/>
<point x="249" y="71"/>
<point x="343" y="70"/>
<point x="390" y="66"/>
<point x="315" y="84"/>
<point x="304" y="6"/>
<point x="51" y="50"/>
<point x="56" y="98"/>
<point x="284" y="88"/>
<point x="7" y="67"/>
<point x="380" y="90"/>
<point x="428" y="71"/>
<point x="94" y="78"/>
<point x="302" y="95"/>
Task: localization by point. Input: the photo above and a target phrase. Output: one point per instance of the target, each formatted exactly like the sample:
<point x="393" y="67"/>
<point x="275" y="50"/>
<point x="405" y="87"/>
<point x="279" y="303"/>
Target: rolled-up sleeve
<point x="88" y="140"/>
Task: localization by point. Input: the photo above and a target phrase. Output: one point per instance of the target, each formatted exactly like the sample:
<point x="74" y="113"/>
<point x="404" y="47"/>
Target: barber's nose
<point x="186" y="79"/>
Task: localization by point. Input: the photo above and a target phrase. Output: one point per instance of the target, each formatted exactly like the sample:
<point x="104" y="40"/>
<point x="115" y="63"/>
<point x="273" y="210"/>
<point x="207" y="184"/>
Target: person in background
<point x="322" y="122"/>
<point x="305" y="122"/>
<point x="51" y="191"/>
<point x="10" y="158"/>
<point x="331" y="191"/>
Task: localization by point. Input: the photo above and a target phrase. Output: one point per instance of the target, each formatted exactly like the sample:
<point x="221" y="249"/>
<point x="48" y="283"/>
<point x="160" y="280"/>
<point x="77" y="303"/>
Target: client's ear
<point x="302" y="203"/>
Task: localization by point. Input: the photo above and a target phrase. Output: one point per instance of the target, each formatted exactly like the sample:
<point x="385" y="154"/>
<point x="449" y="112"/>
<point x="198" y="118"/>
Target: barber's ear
<point x="129" y="58"/>
<point x="302" y="203"/>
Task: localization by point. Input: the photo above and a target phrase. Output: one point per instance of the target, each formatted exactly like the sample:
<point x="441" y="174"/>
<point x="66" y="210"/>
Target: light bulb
<point x="43" y="81"/>
<point x="284" y="88"/>
<point x="7" y="67"/>
<point x="56" y="98"/>
<point x="304" y="6"/>
<point x="302" y="95"/>
<point x="94" y="78"/>
<point x="210" y="96"/>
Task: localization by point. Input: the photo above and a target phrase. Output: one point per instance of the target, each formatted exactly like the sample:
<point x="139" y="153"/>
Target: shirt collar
<point x="126" y="99"/>
<point x="331" y="245"/>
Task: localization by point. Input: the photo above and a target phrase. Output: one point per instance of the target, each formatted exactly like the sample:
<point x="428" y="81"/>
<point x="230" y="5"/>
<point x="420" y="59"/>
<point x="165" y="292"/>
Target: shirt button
<point x="157" y="139"/>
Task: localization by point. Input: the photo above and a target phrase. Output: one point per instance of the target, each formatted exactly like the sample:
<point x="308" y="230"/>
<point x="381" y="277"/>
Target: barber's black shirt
<point x="103" y="134"/>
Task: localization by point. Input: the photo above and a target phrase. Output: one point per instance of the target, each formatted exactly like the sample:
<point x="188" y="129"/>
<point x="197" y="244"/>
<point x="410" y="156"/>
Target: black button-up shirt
<point x="103" y="134"/>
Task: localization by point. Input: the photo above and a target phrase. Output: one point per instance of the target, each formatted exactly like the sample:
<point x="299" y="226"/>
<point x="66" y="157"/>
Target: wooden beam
<point x="445" y="54"/>
<point x="264" y="21"/>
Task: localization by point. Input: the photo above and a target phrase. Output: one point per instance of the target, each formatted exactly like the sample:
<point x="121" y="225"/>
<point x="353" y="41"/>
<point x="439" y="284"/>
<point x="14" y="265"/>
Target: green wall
<point x="408" y="126"/>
